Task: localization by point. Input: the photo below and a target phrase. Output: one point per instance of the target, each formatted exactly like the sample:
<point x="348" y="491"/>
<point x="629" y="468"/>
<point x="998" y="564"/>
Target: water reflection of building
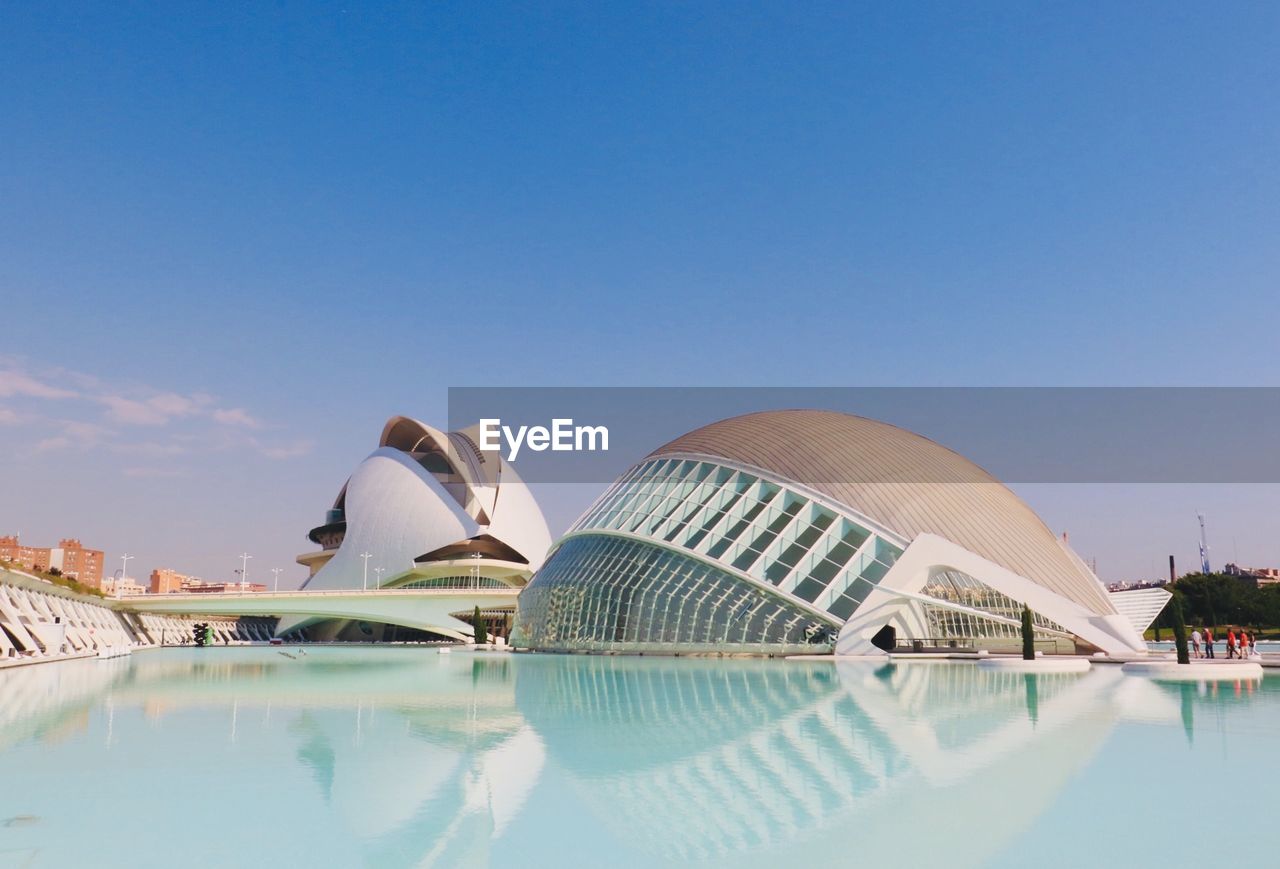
<point x="737" y="763"/>
<point x="426" y="765"/>
<point x="40" y="702"/>
<point x="424" y="762"/>
<point x="431" y="761"/>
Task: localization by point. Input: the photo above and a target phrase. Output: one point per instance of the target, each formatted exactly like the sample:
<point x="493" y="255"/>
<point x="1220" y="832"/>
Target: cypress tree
<point x="1179" y="630"/>
<point x="478" y="624"/>
<point x="1028" y="635"/>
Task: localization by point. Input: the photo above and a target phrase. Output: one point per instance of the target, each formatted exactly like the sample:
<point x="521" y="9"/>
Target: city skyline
<point x="221" y="270"/>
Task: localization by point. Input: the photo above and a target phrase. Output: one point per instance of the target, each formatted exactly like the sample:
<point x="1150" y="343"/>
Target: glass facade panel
<point x="737" y="519"/>
<point x="602" y="593"/>
<point x="955" y="587"/>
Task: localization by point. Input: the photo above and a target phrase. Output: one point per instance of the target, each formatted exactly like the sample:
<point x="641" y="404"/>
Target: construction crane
<point x="1204" y="547"/>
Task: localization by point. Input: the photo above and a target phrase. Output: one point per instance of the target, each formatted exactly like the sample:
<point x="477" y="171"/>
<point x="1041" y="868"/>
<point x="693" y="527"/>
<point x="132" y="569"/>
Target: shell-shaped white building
<point x="430" y="510"/>
<point x="812" y="530"/>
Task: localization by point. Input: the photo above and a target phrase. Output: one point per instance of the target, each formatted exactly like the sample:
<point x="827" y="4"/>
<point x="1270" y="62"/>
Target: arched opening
<point x="886" y="639"/>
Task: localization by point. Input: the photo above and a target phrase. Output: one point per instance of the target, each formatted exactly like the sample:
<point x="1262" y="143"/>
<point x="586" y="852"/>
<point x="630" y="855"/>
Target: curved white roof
<point x="907" y="483"/>
<point x="397" y="511"/>
<point x="489" y="488"/>
<point x="424" y="489"/>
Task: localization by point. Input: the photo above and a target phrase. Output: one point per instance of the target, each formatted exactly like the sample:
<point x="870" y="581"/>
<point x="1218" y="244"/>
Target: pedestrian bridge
<point x="427" y="609"/>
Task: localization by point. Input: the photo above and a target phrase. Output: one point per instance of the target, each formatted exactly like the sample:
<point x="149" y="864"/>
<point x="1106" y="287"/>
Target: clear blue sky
<point x="234" y="239"/>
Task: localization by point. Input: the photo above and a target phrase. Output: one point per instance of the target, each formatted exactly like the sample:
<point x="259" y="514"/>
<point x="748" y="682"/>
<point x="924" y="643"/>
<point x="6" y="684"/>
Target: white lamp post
<point x="276" y="572"/>
<point x="244" y="571"/>
<point x="124" y="572"/>
<point x="366" y="556"/>
<point x="378" y="571"/>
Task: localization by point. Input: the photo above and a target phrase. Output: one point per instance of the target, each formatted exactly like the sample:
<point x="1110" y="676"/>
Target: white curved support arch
<point x="890" y="602"/>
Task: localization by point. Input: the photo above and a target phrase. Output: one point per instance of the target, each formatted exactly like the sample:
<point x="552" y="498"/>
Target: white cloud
<point x="285" y="451"/>
<point x="183" y="422"/>
<point x="13" y="382"/>
<point x="150" y="448"/>
<point x="159" y="409"/>
<point x="69" y="433"/>
<point x="153" y="472"/>
<point x="165" y="407"/>
<point x="53" y="444"/>
<point x="235" y="416"/>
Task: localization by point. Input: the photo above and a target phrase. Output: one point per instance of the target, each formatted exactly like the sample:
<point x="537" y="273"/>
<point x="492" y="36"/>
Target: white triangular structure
<point x="899" y="601"/>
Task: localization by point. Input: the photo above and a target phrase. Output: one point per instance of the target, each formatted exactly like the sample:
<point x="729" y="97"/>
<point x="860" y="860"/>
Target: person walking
<point x="1231" y="643"/>
<point x="1208" y="642"/>
<point x="1244" y="645"/>
<point x="1195" y="644"/>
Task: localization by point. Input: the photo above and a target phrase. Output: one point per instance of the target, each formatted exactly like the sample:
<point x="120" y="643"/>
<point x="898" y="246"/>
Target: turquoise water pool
<point x="402" y="757"/>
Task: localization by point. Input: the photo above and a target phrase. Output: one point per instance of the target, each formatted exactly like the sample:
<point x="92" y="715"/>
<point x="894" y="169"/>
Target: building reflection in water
<point x="737" y="759"/>
<point x="428" y="760"/>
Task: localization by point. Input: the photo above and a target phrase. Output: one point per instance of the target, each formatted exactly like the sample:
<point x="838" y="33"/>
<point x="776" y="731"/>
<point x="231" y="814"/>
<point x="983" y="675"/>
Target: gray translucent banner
<point x="1017" y="434"/>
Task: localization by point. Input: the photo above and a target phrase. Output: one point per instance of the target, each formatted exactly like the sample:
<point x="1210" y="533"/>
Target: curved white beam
<point x="889" y="602"/>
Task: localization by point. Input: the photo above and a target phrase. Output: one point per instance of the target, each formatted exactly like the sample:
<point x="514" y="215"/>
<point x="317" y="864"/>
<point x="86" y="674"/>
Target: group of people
<point x="1239" y="645"/>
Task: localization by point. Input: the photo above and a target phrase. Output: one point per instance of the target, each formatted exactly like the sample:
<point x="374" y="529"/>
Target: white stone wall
<point x="43" y="621"/>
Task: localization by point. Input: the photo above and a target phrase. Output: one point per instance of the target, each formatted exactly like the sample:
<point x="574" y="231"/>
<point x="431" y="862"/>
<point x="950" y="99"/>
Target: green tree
<point x="478" y="623"/>
<point x="1179" y="630"/>
<point x="1028" y="635"/>
<point x="1269" y="598"/>
<point x="1216" y="599"/>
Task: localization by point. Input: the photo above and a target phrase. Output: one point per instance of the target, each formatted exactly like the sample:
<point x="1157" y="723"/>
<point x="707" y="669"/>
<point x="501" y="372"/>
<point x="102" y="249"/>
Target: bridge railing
<point x="341" y="592"/>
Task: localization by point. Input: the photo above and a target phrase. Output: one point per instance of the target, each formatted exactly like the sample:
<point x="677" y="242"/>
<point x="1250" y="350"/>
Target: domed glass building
<point x="805" y="530"/>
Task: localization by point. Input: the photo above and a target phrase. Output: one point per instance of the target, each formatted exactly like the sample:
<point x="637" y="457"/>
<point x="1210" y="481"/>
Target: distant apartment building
<point x="1134" y="585"/>
<point x="165" y="581"/>
<point x="69" y="557"/>
<point x="84" y="565"/>
<point x="15" y="553"/>
<point x="222" y="587"/>
<point x="1255" y="576"/>
<point x="1266" y="575"/>
<point x="122" y="586"/>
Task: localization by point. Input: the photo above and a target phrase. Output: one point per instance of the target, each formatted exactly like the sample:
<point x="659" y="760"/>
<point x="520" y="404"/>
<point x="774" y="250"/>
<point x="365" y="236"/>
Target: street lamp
<point x="366" y="556"/>
<point x="378" y="571"/>
<point x="276" y="572"/>
<point x="124" y="572"/>
<point x="244" y="571"/>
